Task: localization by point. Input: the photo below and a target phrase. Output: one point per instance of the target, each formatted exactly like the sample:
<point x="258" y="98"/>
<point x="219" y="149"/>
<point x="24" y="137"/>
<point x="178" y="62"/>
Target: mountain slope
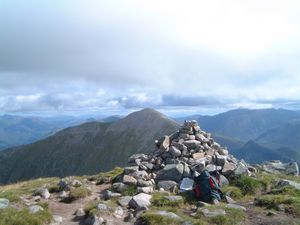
<point x="246" y="124"/>
<point x="286" y="135"/>
<point x="86" y="149"/>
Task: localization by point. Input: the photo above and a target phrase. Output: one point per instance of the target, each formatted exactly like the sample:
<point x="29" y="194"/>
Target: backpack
<point x="206" y="187"/>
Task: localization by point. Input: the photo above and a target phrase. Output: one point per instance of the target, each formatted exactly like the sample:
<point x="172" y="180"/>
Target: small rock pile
<point x="179" y="158"/>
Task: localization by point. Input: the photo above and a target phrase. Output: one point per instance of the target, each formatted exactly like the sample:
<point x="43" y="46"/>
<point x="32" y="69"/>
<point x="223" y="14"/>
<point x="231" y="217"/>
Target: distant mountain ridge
<point x="87" y="148"/>
<point x="256" y="134"/>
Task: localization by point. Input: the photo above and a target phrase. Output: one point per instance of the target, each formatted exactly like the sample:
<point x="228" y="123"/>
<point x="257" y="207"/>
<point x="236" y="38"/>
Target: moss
<point x="77" y="193"/>
<point x="90" y="206"/>
<point x="11" y="216"/>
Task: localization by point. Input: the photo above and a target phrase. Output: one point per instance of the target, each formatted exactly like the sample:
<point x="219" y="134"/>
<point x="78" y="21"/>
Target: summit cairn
<point x="177" y="159"/>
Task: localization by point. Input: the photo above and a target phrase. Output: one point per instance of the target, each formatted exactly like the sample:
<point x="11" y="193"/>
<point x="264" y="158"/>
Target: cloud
<point x="74" y="55"/>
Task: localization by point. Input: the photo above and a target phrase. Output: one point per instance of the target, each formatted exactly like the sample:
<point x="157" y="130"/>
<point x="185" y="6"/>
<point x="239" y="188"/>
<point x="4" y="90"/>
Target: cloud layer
<point x="111" y="55"/>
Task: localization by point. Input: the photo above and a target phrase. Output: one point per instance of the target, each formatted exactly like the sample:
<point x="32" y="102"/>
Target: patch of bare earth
<point x="261" y="218"/>
<point x="67" y="210"/>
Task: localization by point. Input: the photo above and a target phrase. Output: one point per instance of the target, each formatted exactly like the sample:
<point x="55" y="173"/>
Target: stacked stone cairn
<point x="179" y="158"/>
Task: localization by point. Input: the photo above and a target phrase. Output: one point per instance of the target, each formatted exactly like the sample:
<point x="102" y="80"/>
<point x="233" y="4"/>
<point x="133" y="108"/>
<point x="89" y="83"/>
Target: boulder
<point x="94" y="220"/>
<point x="175" y="152"/>
<point x="141" y="174"/>
<point x="192" y="144"/>
<point x="171" y="172"/>
<point x="167" y="214"/>
<point x="228" y="168"/>
<point x="120" y="187"/>
<point x="80" y="212"/>
<point x="173" y="198"/>
<point x="124" y="201"/>
<point x="102" y="207"/>
<point x="213" y="212"/>
<point x="198" y="156"/>
<point x="235" y="206"/>
<point x="4" y="203"/>
<point x="277" y="167"/>
<point x="140" y="201"/>
<point x="130" y="169"/>
<point x="118" y="212"/>
<point x="147" y="190"/>
<point x="57" y="219"/>
<point x="164" y="143"/>
<point x="167" y="185"/>
<point x="223" y="181"/>
<point x="35" y="209"/>
<point x="129" y="180"/>
<point x="42" y="192"/>
<point x="287" y="183"/>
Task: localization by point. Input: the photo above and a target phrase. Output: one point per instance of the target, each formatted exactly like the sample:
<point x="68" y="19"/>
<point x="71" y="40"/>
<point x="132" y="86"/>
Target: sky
<point x="180" y="57"/>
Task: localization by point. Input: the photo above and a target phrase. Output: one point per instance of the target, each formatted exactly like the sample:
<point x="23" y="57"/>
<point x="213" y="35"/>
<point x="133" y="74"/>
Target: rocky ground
<point x="157" y="189"/>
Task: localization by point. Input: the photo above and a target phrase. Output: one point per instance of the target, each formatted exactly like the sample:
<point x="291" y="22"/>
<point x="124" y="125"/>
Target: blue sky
<point x="191" y="56"/>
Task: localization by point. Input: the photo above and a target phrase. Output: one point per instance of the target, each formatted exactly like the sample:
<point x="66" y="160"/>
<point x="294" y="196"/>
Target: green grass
<point x="248" y="185"/>
<point x="153" y="219"/>
<point x="232" y="217"/>
<point x="11" y="216"/>
<point x="131" y="190"/>
<point x="234" y="192"/>
<point x="14" y="191"/>
<point x="106" y="176"/>
<point x="77" y="193"/>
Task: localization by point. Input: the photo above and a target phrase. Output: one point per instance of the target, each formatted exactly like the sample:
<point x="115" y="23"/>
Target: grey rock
<point x="164" y="143"/>
<point x="229" y="200"/>
<point x="149" y="166"/>
<point x="129" y="180"/>
<point x="223" y="181"/>
<point x="4" y="203"/>
<point x="213" y="213"/>
<point x="80" y="212"/>
<point x="179" y="146"/>
<point x="241" y="169"/>
<point x="221" y="160"/>
<point x="129" y="217"/>
<point x="35" y="209"/>
<point x="94" y="220"/>
<point x="228" y="168"/>
<point x="283" y="183"/>
<point x="124" y="201"/>
<point x="63" y="195"/>
<point x="174" y="198"/>
<point x="144" y="183"/>
<point x="130" y="169"/>
<point x="139" y="201"/>
<point x="167" y="185"/>
<point x="235" y="206"/>
<point x="57" y="219"/>
<point x="167" y="214"/>
<point x="175" y="152"/>
<point x="107" y="194"/>
<point x="119" y="187"/>
<point x="141" y="174"/>
<point x="146" y="190"/>
<point x="202" y="204"/>
<point x="277" y="167"/>
<point x="76" y="183"/>
<point x="102" y="207"/>
<point x="171" y="172"/>
<point x="119" y="212"/>
<point x="192" y="144"/>
<point x="42" y="192"/>
<point x="134" y="157"/>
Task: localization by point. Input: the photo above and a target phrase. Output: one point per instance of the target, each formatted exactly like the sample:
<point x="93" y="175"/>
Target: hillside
<point x="285" y="135"/>
<point x="86" y="149"/>
<point x="245" y="124"/>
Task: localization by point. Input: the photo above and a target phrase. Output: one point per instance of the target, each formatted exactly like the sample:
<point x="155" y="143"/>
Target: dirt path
<point x="255" y="217"/>
<point x="67" y="210"/>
